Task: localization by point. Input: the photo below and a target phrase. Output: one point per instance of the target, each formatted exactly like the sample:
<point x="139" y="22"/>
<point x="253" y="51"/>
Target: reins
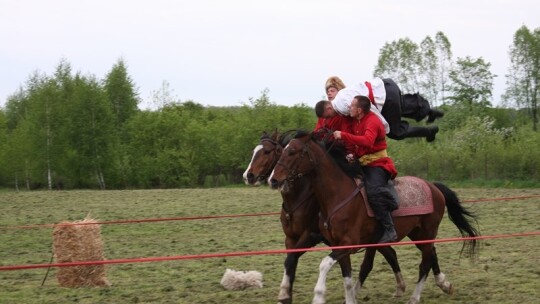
<point x="339" y="206"/>
<point x="292" y="175"/>
<point x="355" y="192"/>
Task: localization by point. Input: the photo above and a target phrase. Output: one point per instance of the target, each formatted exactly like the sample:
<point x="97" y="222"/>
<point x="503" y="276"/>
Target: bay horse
<point x="300" y="215"/>
<point x="345" y="220"/>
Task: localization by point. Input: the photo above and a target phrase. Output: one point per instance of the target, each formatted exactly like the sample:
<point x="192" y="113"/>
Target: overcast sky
<point x="223" y="52"/>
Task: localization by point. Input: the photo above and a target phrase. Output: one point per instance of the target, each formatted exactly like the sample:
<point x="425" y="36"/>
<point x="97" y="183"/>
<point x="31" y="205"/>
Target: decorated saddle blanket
<point x="414" y="197"/>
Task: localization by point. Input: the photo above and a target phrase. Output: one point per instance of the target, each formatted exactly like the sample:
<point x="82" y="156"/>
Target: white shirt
<point x="344" y="97"/>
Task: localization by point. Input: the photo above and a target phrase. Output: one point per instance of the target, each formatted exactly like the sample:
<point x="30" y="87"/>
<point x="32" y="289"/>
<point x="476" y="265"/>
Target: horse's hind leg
<point x="424" y="268"/>
<point x="440" y="278"/>
<point x="391" y="257"/>
<point x="367" y="265"/>
<point x="365" y="268"/>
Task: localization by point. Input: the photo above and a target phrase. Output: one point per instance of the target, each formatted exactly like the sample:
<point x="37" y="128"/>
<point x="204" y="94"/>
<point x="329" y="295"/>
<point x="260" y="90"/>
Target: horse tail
<point x="462" y="218"/>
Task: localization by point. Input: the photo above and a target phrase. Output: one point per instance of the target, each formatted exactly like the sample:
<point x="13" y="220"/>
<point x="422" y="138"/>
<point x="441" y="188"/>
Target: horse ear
<point x="275" y="135"/>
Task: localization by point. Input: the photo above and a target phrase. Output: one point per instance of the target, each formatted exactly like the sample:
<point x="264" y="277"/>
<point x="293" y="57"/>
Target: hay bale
<point x="239" y="280"/>
<point x="77" y="243"/>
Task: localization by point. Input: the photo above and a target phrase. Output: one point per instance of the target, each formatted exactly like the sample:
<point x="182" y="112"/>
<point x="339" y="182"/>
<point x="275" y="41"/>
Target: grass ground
<point x="506" y="271"/>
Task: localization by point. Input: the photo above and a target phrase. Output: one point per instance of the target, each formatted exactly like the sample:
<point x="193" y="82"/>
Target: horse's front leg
<point x="285" y="289"/>
<point x="320" y="288"/>
<point x="291" y="263"/>
<point x="346" y="272"/>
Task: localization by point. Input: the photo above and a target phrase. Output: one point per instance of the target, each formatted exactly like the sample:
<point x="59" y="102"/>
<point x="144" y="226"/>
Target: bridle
<point x="275" y="157"/>
<point x="292" y="174"/>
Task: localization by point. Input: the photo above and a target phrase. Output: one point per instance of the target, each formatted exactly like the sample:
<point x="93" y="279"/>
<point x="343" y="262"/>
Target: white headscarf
<point x="344" y="97"/>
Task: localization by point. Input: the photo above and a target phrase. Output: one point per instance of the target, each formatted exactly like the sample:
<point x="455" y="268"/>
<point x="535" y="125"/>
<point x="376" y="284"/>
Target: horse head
<point x="296" y="161"/>
<point x="263" y="160"/>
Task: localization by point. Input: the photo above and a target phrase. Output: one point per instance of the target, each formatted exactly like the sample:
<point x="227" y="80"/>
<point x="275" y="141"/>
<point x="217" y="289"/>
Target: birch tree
<point x="523" y="79"/>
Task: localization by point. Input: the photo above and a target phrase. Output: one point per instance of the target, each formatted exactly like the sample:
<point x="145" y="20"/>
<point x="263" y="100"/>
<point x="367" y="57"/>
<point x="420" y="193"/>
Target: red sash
<point x="370" y="94"/>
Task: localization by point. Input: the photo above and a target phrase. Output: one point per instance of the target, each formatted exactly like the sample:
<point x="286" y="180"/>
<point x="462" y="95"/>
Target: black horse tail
<point x="462" y="218"/>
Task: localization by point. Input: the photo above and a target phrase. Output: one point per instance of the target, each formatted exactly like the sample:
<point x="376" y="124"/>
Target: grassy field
<point x="506" y="271"/>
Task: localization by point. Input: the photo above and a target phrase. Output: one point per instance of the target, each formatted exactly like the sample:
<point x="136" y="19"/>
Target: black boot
<point x="432" y="131"/>
<point x="389" y="234"/>
<point x="434" y="114"/>
<point x="427" y="132"/>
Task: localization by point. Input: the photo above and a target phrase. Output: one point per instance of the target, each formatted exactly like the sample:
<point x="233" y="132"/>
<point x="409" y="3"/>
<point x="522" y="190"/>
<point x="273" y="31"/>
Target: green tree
<point x="45" y="118"/>
<point x="121" y="92"/>
<point x="523" y="79"/>
<point x="91" y="135"/>
<point x="3" y="146"/>
<point x="472" y="82"/>
<point x="420" y="68"/>
<point x="444" y="56"/>
<point x="401" y="61"/>
<point x="428" y="75"/>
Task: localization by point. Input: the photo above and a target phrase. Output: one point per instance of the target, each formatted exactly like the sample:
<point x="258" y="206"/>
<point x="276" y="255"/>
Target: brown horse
<point x="346" y="221"/>
<point x="300" y="215"/>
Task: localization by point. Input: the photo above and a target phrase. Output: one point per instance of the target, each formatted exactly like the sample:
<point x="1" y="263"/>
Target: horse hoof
<point x="398" y="294"/>
<point x="450" y="290"/>
<point x="285" y="301"/>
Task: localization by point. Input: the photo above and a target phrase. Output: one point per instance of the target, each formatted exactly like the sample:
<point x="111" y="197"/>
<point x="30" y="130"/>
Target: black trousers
<point x="379" y="194"/>
<point x="397" y="106"/>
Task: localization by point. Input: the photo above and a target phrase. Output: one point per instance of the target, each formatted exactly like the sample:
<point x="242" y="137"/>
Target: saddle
<point x="412" y="194"/>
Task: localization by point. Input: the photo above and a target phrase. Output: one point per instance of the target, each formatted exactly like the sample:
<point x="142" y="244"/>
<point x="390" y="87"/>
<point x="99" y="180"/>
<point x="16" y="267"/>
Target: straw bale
<point x="77" y="243"/>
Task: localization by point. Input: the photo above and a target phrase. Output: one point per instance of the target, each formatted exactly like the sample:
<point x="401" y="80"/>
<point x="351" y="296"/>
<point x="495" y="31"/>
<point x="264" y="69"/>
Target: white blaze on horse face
<point x="255" y="150"/>
<point x="273" y="170"/>
<point x="270" y="177"/>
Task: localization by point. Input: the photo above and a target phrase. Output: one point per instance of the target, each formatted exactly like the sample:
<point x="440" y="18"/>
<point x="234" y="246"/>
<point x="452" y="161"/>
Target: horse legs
<point x="365" y="268"/>
<point x="326" y="264"/>
<point x="320" y="288"/>
<point x="346" y="272"/>
<point x="367" y="265"/>
<point x="391" y="257"/>
<point x="291" y="262"/>
<point x="285" y="289"/>
<point x="440" y="278"/>
<point x="424" y="268"/>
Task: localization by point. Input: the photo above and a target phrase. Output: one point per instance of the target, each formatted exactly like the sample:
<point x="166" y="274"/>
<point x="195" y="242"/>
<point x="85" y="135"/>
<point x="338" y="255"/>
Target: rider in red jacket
<point x="367" y="138"/>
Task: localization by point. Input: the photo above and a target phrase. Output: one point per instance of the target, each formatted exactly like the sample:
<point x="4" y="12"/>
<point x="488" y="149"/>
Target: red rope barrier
<point x="217" y="216"/>
<point x="164" y="219"/>
<point x="262" y="252"/>
<point x="500" y="199"/>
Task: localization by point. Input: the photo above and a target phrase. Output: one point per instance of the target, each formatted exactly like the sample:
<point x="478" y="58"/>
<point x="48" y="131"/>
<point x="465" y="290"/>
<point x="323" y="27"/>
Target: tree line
<point x="70" y="130"/>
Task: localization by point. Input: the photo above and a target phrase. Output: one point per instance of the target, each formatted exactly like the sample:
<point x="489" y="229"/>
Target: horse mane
<point x="338" y="153"/>
<point x="287" y="136"/>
